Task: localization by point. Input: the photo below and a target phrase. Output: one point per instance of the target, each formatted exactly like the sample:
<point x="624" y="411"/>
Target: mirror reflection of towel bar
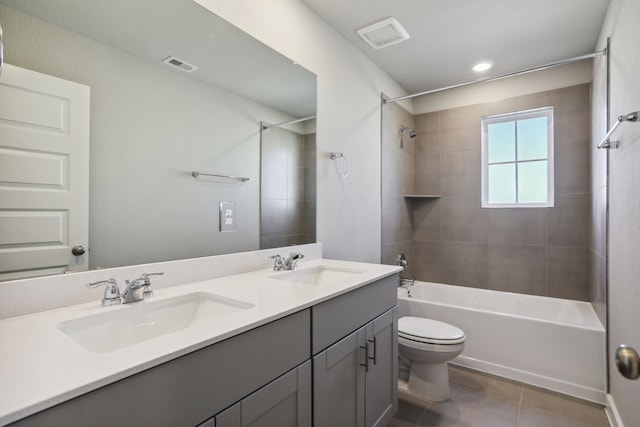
<point x="239" y="178"/>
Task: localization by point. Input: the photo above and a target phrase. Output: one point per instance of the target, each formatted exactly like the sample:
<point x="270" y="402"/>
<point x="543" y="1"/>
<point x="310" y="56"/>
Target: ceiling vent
<point x="179" y="63"/>
<point x="384" y="33"/>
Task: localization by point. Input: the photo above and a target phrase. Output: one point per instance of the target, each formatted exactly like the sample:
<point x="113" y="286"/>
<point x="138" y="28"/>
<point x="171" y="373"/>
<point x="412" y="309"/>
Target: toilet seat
<point x="429" y="331"/>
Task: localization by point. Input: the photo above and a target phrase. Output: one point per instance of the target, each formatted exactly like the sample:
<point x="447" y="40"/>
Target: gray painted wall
<point x="349" y="86"/>
<point x="621" y="25"/>
<point x="152" y="126"/>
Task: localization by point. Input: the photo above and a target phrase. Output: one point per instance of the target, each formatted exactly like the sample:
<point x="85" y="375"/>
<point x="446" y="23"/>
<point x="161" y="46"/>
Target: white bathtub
<point x="548" y="342"/>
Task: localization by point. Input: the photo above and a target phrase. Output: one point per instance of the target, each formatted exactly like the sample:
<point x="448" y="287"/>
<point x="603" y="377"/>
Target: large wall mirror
<point x="152" y="124"/>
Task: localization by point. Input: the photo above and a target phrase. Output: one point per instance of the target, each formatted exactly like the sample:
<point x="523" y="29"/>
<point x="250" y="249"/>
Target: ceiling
<point x="448" y="37"/>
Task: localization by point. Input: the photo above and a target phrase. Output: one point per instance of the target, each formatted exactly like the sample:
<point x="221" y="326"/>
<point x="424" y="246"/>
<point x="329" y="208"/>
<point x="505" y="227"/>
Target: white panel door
<point x="44" y="174"/>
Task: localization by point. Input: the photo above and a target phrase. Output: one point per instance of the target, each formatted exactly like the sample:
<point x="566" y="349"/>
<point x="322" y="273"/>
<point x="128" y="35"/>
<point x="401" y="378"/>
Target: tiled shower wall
<point x="540" y="251"/>
<point x="288" y="189"/>
<point x="397" y="180"/>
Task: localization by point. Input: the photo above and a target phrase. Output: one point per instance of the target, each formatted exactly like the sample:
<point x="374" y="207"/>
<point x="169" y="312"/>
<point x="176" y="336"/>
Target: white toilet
<point x="426" y="346"/>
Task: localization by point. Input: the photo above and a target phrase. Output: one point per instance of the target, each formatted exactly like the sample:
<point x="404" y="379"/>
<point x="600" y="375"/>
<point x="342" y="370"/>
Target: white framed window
<point x="517" y="159"/>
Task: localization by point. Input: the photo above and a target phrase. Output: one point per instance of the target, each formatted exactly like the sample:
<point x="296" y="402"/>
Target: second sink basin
<point x="320" y="275"/>
<point x="129" y="325"/>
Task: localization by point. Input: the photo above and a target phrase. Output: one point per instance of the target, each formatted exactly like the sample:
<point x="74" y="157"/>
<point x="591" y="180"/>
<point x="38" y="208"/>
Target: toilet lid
<point x="429" y="331"/>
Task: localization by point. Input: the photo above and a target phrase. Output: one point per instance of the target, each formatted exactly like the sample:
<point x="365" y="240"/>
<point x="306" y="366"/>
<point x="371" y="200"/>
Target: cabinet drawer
<point x="336" y="318"/>
<point x="188" y="390"/>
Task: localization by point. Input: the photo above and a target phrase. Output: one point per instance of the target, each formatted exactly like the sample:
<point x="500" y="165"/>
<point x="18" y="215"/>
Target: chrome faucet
<point x="145" y="281"/>
<point x="405" y="281"/>
<point x="139" y="288"/>
<point x="133" y="292"/>
<point x="136" y="290"/>
<point x="111" y="292"/>
<point x="277" y="262"/>
<point x="290" y="263"/>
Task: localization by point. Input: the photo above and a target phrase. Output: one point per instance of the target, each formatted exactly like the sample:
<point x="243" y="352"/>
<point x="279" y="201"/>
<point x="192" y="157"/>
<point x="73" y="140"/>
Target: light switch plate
<point x="227" y="216"/>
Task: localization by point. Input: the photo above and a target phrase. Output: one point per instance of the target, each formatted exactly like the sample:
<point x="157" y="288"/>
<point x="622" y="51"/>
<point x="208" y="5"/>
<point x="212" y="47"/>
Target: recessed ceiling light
<point x="384" y="33"/>
<point x="482" y="66"/>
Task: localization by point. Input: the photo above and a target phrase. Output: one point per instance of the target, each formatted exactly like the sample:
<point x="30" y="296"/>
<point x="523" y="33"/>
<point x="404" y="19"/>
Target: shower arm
<point x="412" y="134"/>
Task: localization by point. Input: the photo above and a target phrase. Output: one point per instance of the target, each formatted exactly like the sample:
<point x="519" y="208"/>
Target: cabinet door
<point x="285" y="402"/>
<point x="381" y="382"/>
<point x="337" y="317"/>
<point x="338" y="383"/>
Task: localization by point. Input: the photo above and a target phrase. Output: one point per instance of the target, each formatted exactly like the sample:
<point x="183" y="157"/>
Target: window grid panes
<point x="517" y="159"/>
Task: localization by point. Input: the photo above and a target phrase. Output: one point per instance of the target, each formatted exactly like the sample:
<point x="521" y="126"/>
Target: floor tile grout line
<point x="520" y="404"/>
<point x="424" y="411"/>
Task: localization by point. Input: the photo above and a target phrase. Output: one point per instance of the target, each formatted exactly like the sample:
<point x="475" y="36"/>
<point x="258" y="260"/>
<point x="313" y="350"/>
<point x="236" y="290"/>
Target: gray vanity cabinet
<point x="331" y="365"/>
<point x="355" y="378"/>
<point x="190" y="389"/>
<point x="284" y="402"/>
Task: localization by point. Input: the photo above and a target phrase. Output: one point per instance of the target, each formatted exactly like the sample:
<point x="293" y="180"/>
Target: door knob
<point x="78" y="250"/>
<point x="628" y="362"/>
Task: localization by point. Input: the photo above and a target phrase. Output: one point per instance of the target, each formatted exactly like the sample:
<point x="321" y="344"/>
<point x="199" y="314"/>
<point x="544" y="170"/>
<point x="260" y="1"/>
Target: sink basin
<point x="320" y="275"/>
<point x="139" y="322"/>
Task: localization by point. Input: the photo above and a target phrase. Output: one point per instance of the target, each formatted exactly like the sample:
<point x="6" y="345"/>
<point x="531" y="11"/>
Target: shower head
<point x="412" y="133"/>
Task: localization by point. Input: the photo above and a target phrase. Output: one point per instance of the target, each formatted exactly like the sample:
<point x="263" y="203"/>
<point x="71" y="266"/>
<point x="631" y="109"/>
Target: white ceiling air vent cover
<point x="179" y="63"/>
<point x="384" y="33"/>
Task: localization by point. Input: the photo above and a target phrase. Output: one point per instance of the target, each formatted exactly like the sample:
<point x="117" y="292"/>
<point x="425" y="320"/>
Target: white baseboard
<point x="612" y="413"/>
<point x="576" y="390"/>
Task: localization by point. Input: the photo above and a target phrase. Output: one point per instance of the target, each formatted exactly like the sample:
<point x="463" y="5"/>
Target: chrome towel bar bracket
<point x="606" y="142"/>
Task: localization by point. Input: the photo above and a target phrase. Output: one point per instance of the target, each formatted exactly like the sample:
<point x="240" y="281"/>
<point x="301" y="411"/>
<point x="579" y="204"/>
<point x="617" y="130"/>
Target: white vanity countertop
<point x="40" y="366"/>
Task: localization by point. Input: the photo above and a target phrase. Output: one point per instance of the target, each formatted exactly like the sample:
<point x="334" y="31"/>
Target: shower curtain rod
<point x="290" y="122"/>
<point x="501" y="76"/>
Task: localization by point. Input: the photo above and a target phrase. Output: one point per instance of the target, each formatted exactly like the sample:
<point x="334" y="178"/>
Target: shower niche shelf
<point x="421" y="196"/>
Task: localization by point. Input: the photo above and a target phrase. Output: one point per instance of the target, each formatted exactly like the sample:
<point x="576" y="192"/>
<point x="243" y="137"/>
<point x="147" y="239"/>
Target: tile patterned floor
<point x="482" y="400"/>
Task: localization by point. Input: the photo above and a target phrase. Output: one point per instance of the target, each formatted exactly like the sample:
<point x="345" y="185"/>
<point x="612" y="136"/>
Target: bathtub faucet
<point x="405" y="282"/>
